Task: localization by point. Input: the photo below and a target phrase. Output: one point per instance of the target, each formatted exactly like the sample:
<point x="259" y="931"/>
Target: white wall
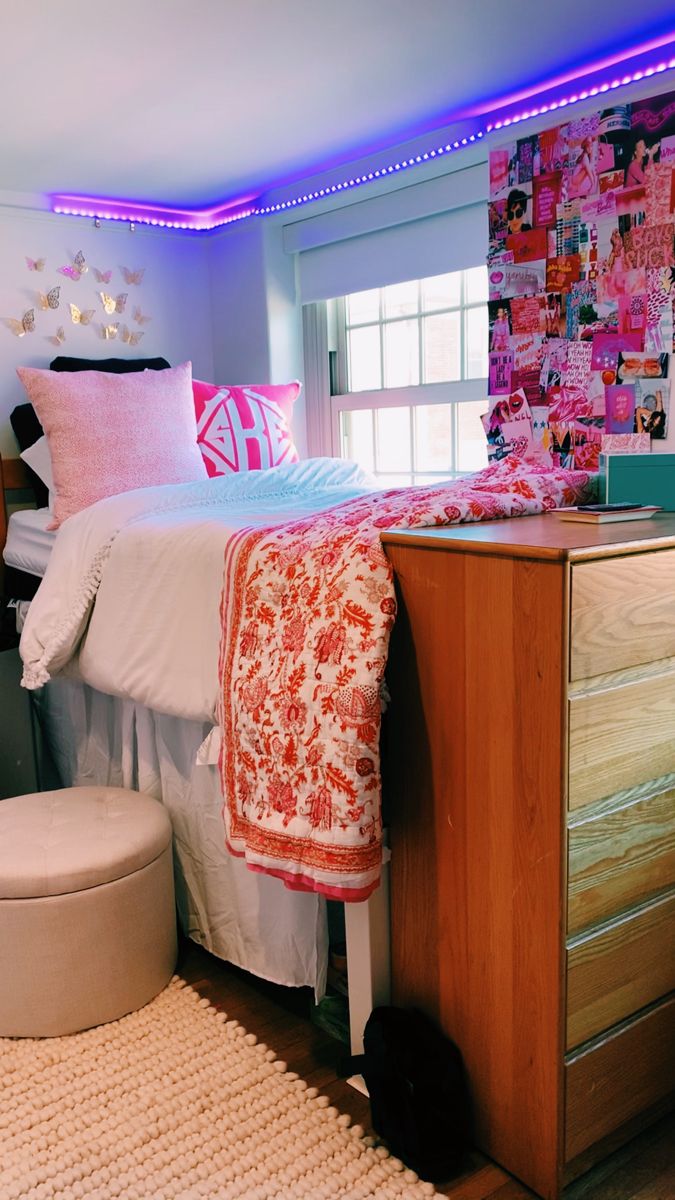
<point x="256" y="315"/>
<point x="175" y="292"/>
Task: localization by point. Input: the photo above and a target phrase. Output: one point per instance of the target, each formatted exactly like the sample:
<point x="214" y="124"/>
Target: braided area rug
<point x="175" y="1102"/>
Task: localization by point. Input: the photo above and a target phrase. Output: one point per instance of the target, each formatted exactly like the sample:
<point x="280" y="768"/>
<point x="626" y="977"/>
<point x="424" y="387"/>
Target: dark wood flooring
<point x="644" y="1169"/>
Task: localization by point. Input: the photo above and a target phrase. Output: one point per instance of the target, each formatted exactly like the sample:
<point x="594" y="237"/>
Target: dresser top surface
<point x="544" y="537"/>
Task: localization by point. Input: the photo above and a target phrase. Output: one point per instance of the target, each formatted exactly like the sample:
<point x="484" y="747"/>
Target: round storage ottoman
<point x="87" y="916"/>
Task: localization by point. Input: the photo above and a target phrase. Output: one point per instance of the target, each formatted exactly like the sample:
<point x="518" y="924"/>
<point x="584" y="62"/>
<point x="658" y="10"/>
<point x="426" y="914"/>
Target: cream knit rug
<point x="175" y="1102"/>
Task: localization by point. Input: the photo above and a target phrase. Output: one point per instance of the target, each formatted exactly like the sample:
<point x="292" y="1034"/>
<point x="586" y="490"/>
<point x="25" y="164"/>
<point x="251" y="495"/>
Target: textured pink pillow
<point x="113" y="433"/>
<point x="245" y="428"/>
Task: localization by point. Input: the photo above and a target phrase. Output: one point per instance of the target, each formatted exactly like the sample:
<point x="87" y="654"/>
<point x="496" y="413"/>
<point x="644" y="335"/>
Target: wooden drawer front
<point x="621" y="738"/>
<point x="620" y="859"/>
<point x="622" y="612"/>
<point x="620" y="969"/>
<point x="618" y="1078"/>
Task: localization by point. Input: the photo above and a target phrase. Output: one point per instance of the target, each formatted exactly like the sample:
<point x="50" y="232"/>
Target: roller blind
<point x="428" y="229"/>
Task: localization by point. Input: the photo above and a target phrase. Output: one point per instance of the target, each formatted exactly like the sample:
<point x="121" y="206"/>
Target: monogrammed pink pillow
<point x="113" y="433"/>
<point x="245" y="427"/>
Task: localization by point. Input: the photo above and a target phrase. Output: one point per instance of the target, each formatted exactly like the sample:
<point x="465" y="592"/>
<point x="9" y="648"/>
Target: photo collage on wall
<point x="581" y="272"/>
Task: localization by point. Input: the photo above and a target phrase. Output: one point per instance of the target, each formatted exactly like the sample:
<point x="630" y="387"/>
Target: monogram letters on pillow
<point x="112" y="433"/>
<point x="245" y="427"/>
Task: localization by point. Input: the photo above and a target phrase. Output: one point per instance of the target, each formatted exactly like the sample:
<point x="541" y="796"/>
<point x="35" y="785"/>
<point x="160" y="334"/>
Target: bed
<point x="122" y="647"/>
<point x="157" y="730"/>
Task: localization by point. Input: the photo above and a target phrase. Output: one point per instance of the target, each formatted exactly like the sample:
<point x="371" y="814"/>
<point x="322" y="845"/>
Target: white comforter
<point x="130" y="600"/>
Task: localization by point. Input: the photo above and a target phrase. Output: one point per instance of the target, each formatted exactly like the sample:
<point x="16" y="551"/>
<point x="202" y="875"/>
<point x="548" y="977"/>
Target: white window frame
<point x="454" y="392"/>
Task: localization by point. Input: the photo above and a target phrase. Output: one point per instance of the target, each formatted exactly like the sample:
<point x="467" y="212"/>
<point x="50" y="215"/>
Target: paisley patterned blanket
<point x="307" y="611"/>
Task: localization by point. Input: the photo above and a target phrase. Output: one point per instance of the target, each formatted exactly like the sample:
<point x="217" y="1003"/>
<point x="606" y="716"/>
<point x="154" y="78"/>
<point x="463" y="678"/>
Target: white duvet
<point x="130" y="599"/>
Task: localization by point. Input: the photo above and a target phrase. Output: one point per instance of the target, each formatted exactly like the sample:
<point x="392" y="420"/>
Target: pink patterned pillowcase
<point x="112" y="433"/>
<point x="245" y="428"/>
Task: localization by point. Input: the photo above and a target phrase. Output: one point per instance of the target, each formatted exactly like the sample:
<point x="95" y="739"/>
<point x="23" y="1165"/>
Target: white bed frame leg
<point x="368" y="954"/>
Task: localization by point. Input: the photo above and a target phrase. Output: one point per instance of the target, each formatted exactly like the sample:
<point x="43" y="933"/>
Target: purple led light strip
<point x="203" y="220"/>
<point x="584" y="93"/>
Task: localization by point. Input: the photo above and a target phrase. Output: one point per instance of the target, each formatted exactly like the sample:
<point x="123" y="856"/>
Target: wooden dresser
<point x="532" y="816"/>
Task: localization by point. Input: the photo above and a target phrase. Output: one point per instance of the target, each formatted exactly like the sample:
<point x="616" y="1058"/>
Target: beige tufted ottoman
<point x="87" y="917"/>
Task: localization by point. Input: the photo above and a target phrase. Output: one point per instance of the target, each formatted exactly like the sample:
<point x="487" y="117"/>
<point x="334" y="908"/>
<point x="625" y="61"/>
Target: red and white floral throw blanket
<point x="307" y="611"/>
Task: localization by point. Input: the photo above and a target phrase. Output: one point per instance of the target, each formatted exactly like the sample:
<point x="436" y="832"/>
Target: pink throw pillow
<point x="245" y="428"/>
<point x="112" y="433"/>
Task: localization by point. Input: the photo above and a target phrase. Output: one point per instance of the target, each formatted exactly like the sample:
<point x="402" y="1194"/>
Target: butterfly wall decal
<point x="113" y="304"/>
<point x="79" y="316"/>
<point x="58" y="338"/>
<point x="133" y="276"/>
<point x="102" y="276"/>
<point x="140" y="317"/>
<point x="35" y="264"/>
<point x="109" y="331"/>
<point x="131" y="337"/>
<point x="25" y="325"/>
<point x="78" y="269"/>
<point x="50" y="300"/>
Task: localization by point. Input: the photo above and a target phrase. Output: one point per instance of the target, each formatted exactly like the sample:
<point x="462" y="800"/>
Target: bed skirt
<point x="246" y="918"/>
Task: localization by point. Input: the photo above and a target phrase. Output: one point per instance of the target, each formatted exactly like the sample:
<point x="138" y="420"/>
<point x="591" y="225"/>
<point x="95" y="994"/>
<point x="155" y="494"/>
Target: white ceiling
<point x="194" y="103"/>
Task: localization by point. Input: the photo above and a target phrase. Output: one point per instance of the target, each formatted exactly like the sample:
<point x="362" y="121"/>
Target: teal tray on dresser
<point x="638" y="479"/>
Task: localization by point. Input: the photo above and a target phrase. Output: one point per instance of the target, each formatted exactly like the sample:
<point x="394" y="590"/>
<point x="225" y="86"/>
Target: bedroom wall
<point x="581" y="299"/>
<point x="256" y="271"/>
<point x="174" y="292"/>
<point x="256" y="315"/>
<point x="411" y="209"/>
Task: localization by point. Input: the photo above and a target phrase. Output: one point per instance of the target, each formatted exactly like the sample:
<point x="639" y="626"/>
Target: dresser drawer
<point x="619" y="859"/>
<point x="618" y="1077"/>
<point x="621" y="737"/>
<point x="622" y="613"/>
<point x="619" y="969"/>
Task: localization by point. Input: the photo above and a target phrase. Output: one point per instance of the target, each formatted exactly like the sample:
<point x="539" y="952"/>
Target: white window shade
<point x="427" y="229"/>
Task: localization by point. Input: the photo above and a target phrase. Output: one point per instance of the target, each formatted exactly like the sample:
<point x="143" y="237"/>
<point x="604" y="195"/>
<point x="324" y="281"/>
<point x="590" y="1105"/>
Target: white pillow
<point x="39" y="460"/>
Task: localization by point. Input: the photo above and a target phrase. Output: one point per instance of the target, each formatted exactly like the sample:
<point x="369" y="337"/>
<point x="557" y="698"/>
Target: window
<point x="411" y="378"/>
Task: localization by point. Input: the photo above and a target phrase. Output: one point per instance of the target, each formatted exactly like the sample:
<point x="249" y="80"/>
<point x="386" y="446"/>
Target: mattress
<point x="29" y="542"/>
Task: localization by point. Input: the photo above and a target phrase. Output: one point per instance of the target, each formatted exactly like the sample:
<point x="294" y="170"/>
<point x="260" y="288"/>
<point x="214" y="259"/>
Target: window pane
<point x="401" y="354"/>
<point x="476" y="343"/>
<point x="471" y="444"/>
<point x="356" y="430"/>
<point x="400" y="299"/>
<point x="364" y="359"/>
<point x="476" y="285"/>
<point x="433" y="437"/>
<point x="444" y="477"/>
<point x="442" y="291"/>
<point x="363" y="306"/>
<point x="395" y="481"/>
<point x="442" y="342"/>
<point x="394" y="452"/>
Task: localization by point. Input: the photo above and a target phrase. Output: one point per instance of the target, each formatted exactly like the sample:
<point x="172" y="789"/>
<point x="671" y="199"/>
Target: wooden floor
<point x="642" y="1170"/>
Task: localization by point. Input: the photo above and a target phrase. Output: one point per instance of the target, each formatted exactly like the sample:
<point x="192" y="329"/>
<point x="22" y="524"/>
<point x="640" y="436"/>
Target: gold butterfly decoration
<point x="50" y="300"/>
<point x="113" y="304"/>
<point x="58" y="338"/>
<point x="109" y="331"/>
<point x="35" y="264"/>
<point x="133" y="276"/>
<point x="78" y="269"/>
<point x="140" y="317"/>
<point x="132" y="338"/>
<point x="25" y="325"/>
<point x="80" y="317"/>
<point x="102" y="276"/>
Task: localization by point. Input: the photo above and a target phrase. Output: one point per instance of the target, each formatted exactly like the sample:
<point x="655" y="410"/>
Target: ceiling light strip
<point x="205" y="220"/>
<point x="584" y="93"/>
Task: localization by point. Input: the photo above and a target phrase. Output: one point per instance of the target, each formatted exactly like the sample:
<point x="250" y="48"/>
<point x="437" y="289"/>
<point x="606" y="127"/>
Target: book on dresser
<point x="532" y="825"/>
<point x="603" y="514"/>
